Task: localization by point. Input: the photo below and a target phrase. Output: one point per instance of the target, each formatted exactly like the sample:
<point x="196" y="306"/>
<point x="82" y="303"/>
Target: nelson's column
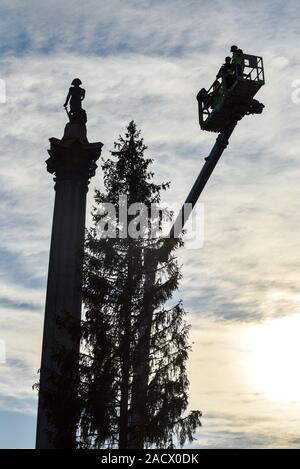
<point x="72" y="162"/>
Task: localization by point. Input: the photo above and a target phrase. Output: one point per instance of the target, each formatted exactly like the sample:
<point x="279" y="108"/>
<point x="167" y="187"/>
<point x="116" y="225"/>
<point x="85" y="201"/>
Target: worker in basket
<point x="227" y="73"/>
<point x="237" y="59"/>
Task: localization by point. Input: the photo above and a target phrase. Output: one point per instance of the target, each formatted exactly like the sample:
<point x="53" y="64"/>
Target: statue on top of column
<point x="75" y="96"/>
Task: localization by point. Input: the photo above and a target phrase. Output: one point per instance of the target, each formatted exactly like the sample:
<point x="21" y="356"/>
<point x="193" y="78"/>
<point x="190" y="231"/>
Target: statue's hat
<point x="76" y="81"/>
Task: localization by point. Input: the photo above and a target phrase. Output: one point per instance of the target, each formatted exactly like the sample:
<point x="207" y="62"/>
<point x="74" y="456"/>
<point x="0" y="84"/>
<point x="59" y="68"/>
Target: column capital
<point x="73" y="159"/>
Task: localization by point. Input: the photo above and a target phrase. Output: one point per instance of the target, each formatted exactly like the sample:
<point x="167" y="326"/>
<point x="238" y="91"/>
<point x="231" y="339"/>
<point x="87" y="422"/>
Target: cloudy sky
<point x="146" y="60"/>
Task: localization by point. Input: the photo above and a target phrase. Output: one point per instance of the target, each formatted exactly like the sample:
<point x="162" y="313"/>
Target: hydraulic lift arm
<point x="204" y="175"/>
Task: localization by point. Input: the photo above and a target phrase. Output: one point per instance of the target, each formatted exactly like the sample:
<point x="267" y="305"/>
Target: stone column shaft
<point x="73" y="162"/>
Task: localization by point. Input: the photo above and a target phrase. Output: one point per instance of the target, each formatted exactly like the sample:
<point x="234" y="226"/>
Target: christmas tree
<point x="133" y="380"/>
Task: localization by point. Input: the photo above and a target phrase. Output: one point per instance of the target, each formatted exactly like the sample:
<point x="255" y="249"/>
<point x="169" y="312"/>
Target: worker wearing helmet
<point x="227" y="73"/>
<point x="237" y="59"/>
<point x="75" y="96"/>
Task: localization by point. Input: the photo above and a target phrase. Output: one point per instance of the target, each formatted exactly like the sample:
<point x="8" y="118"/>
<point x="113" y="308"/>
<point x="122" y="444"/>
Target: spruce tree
<point x="133" y="381"/>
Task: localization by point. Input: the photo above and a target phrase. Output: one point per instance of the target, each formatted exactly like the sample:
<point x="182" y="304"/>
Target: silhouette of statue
<point x="75" y="96"/>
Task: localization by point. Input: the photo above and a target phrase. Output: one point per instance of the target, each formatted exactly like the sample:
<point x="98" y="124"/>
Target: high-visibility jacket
<point x="218" y="94"/>
<point x="237" y="59"/>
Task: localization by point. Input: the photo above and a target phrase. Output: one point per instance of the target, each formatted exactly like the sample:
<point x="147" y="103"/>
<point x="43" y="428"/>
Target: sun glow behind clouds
<point x="272" y="361"/>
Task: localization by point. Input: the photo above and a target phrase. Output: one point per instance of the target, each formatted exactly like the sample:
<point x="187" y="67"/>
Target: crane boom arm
<point x="204" y="175"/>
